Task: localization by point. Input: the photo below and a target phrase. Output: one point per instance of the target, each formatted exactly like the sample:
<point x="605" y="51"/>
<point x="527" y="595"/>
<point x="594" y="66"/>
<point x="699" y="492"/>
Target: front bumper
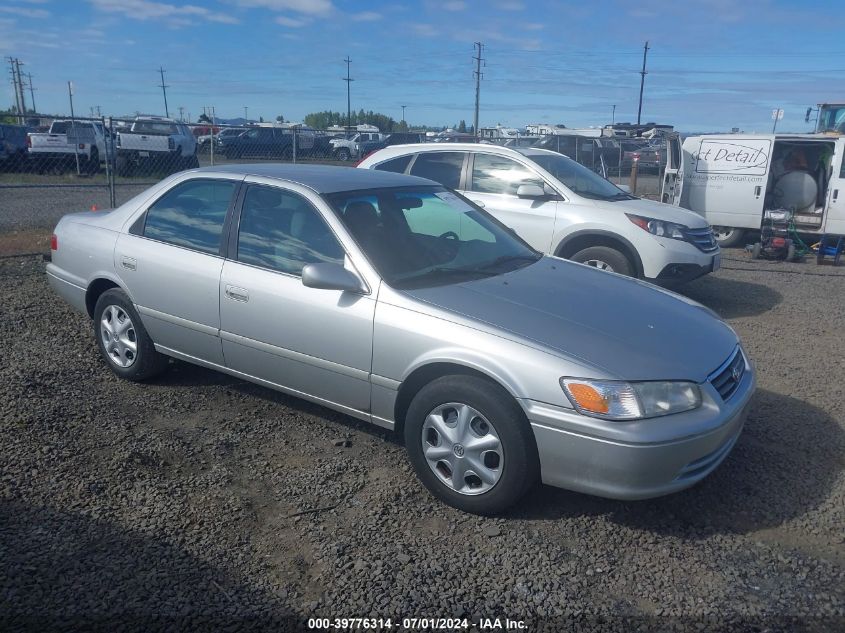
<point x="585" y="460"/>
<point x="668" y="262"/>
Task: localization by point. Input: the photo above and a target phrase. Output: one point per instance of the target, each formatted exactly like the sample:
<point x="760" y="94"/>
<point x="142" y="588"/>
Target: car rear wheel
<point x="604" y="258"/>
<point x="343" y="154"/>
<point x="728" y="236"/>
<point x="470" y="444"/>
<point x="122" y="339"/>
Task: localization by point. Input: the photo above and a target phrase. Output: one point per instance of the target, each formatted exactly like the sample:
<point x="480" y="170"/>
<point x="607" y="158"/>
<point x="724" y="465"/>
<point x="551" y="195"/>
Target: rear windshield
<point x="155" y="127"/>
<point x="61" y="127"/>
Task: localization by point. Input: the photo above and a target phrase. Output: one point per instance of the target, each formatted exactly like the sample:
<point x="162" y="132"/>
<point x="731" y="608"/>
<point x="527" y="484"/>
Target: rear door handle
<point x="128" y="263"/>
<point x="835" y="194"/>
<point x="238" y="294"/>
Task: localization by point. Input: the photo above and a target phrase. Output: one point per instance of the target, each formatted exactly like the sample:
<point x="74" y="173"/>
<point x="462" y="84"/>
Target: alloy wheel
<point x="118" y="336"/>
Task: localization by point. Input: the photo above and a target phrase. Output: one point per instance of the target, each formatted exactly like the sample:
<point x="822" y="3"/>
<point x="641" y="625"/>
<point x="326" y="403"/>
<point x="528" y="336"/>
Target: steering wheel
<point x="451" y="235"/>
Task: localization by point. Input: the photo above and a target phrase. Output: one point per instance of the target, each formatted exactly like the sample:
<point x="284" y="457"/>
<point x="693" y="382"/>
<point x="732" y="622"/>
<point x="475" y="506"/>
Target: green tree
<point x="280" y="119"/>
<point x="462" y="126"/>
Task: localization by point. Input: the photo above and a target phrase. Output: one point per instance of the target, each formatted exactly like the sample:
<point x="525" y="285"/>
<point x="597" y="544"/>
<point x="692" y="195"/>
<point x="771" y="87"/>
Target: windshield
<point x="61" y="127"/>
<point x="831" y="119"/>
<point x="578" y="178"/>
<point x="417" y="237"/>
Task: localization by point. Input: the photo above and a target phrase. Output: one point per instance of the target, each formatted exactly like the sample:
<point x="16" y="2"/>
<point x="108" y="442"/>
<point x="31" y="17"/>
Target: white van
<point x="732" y="180"/>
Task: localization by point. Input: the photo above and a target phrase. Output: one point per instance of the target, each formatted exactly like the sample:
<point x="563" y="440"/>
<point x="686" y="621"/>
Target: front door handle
<point x="238" y="294"/>
<point x="835" y="194"/>
<point x="479" y="203"/>
<point x="128" y="263"/>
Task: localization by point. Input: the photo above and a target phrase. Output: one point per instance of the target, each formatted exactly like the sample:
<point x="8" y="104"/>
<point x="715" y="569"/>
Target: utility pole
<point x="20" y="83"/>
<point x="246" y="116"/>
<point x="613" y="116"/>
<point x="643" y="73"/>
<point x="403" y="116"/>
<point x="18" y="88"/>
<point x="348" y="81"/>
<point x="164" y="92"/>
<point x="31" y="91"/>
<point x="73" y="125"/>
<point x="182" y="113"/>
<point x="99" y="112"/>
<point x="478" y="59"/>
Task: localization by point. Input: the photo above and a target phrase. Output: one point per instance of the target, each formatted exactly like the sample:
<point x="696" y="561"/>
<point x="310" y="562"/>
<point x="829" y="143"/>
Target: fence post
<point x="635" y="164"/>
<point x="294" y="144"/>
<point x="109" y="142"/>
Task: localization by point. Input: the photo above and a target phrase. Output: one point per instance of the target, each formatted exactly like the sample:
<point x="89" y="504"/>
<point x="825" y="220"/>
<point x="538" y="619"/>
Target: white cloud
<point x="454" y="5"/>
<point x="308" y="7"/>
<point x="25" y="12"/>
<point x="291" y="22"/>
<point x="533" y="26"/>
<point x="175" y="15"/>
<point x="366" y="16"/>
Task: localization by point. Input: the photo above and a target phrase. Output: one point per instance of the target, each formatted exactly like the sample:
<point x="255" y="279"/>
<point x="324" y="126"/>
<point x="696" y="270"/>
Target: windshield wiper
<point x="445" y="271"/>
<point x="508" y="258"/>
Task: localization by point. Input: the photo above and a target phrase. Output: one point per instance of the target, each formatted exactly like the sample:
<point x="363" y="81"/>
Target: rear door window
<point x="442" y="167"/>
<point x="397" y="165"/>
<point x="191" y="215"/>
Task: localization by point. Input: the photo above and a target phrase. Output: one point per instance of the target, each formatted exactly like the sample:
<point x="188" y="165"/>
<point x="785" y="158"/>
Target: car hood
<point x="658" y="211"/>
<point x="625" y="328"/>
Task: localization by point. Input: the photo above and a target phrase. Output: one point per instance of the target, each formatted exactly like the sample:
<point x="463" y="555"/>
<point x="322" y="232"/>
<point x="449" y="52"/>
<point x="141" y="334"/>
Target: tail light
<point x="170" y="143"/>
<point x="28" y="140"/>
<point x="54" y="242"/>
<point x="636" y="156"/>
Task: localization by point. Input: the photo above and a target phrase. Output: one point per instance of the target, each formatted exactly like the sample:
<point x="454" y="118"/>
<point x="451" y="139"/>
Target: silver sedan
<point x="397" y="301"/>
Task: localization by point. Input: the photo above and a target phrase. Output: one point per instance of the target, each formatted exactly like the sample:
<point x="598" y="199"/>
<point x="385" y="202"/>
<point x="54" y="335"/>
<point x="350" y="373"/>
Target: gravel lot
<point x="199" y="502"/>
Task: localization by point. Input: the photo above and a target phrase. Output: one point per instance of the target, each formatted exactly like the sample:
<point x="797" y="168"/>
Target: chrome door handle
<point x="757" y="191"/>
<point x="238" y="294"/>
<point x="479" y="203"/>
<point x="128" y="263"/>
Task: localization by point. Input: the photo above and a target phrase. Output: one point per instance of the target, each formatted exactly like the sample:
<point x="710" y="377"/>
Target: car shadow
<point x="784" y="465"/>
<point x="731" y="298"/>
<point x="67" y="571"/>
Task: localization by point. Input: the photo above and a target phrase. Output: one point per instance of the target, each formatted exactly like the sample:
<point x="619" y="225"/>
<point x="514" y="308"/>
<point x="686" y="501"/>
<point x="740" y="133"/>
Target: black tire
<point x="147" y="361"/>
<point x="520" y="466"/>
<point x="616" y="261"/>
<point x="730" y="236"/>
<point x="343" y="154"/>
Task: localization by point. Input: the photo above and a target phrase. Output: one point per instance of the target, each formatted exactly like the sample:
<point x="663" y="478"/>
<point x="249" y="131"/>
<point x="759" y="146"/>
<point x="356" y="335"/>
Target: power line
<point x="643" y="73"/>
<point x="478" y="59"/>
<point x="164" y="92"/>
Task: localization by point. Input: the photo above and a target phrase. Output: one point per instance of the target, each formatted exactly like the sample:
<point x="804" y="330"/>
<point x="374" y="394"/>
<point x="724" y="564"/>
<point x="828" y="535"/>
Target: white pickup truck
<point x="157" y="144"/>
<point x="347" y="148"/>
<point x="67" y="140"/>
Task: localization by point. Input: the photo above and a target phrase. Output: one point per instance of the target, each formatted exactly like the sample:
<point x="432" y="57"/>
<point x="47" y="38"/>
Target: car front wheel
<point x="604" y="258"/>
<point x="122" y="339"/>
<point x="470" y="444"/>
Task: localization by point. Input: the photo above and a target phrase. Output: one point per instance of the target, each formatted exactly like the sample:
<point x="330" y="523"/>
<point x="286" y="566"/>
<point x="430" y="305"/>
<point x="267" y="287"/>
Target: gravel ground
<point x="200" y="502"/>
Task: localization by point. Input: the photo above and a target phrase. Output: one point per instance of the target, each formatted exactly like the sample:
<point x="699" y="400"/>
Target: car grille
<point x="702" y="238"/>
<point x="726" y="379"/>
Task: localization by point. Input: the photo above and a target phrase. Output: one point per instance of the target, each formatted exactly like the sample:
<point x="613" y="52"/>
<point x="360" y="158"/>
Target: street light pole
<point x="403" y="116"/>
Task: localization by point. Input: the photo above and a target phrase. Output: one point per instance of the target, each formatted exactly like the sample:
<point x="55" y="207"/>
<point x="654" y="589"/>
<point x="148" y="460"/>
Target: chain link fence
<point x="112" y="153"/>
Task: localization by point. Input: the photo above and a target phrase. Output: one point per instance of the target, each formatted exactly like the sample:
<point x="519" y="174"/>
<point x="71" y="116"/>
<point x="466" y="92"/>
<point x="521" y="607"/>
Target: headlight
<point x="659" y="227"/>
<point x="616" y="400"/>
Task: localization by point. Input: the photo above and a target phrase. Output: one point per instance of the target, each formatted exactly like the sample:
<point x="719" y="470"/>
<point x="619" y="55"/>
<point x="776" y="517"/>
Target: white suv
<point x="563" y="208"/>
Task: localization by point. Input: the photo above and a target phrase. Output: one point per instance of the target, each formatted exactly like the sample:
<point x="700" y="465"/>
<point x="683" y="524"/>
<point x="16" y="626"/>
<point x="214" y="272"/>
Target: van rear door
<point x="726" y="180"/>
<point x="835" y="213"/>
<point x="673" y="175"/>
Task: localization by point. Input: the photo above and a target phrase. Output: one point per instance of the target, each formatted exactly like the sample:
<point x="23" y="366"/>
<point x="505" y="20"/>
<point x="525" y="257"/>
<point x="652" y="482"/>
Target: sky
<point x="712" y="64"/>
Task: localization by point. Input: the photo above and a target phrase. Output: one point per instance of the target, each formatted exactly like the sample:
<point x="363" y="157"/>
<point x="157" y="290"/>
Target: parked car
<point x="396" y="301"/>
<point x="68" y="141"/>
<point x="647" y="154"/>
<point x="156" y="144"/>
<point x="562" y="208"/>
<point x="397" y="138"/>
<point x="13" y="146"/>
<point x="259" y="142"/>
<point x="344" y="148"/>
<point x="204" y="140"/>
<point x="600" y="154"/>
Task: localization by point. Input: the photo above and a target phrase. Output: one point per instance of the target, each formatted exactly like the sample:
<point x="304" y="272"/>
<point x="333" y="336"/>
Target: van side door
<point x="673" y="175"/>
<point x="835" y="212"/>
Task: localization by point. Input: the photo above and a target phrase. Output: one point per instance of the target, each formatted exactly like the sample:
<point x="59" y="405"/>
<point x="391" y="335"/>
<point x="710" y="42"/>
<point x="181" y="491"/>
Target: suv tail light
<point x="54" y="242"/>
<point x="28" y="140"/>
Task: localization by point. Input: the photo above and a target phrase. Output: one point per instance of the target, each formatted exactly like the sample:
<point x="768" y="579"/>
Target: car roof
<point x="410" y="148"/>
<point x="322" y="178"/>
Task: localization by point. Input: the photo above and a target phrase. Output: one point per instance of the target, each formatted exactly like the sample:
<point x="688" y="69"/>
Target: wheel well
<point x="95" y="289"/>
<point x="578" y="243"/>
<point x="421" y="377"/>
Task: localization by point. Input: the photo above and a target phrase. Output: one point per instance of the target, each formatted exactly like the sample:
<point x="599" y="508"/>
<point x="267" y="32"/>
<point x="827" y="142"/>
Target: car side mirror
<point x="329" y="276"/>
<point x="530" y="190"/>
